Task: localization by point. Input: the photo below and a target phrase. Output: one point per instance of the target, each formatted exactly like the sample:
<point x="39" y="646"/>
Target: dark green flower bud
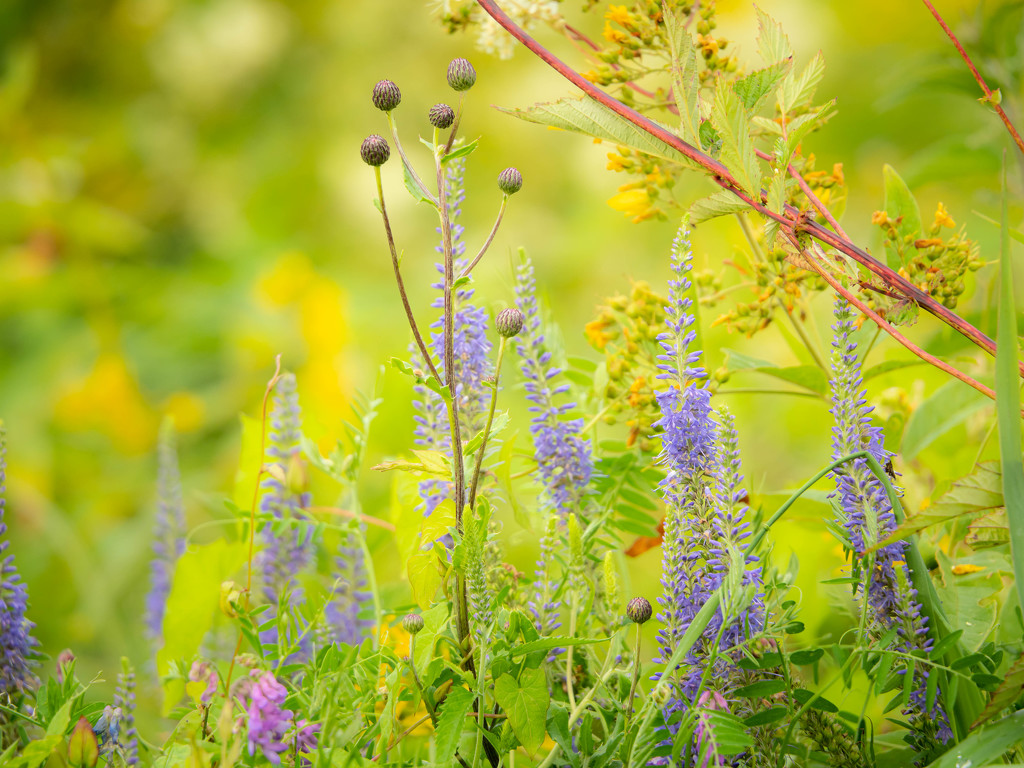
<point x="461" y="75"/>
<point x="639" y="610"/>
<point x="441" y="116"/>
<point x="412" y="623"/>
<point x="510" y="181"/>
<point x="509" y="322"/>
<point x="375" y="150"/>
<point x="386" y="96"/>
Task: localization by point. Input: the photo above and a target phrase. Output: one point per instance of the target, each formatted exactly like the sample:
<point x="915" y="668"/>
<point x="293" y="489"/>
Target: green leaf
<point x="969" y="600"/>
<point x="413" y="187"/>
<point x="193" y="604"/>
<point x="450" y="722"/>
<point x="761" y="689"/>
<point x="949" y="406"/>
<point x="438" y="523"/>
<point x="733" y="124"/>
<point x="464" y="151"/>
<point x="1005" y="695"/>
<point x="888" y="366"/>
<point x="590" y="118"/>
<point x="58" y="726"/>
<point x="772" y="715"/>
<point x="901" y="208"/>
<point x="984" y="745"/>
<point x="1008" y="402"/>
<point x="685" y="80"/>
<point x="721" y="203"/>
<point x="772" y="43"/>
<point x="526" y="703"/>
<point x="810" y="377"/>
<point x="798" y="90"/>
<point x="757" y="86"/>
<point x="548" y="643"/>
<point x="501" y="421"/>
<point x="435" y="620"/>
<point x="424" y="577"/>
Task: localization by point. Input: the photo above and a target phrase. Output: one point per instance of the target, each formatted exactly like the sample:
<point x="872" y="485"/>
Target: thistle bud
<point x="441" y="116"/>
<point x="639" y="610"/>
<point x="83" y="749"/>
<point x="461" y="75"/>
<point x="509" y="322"/>
<point x="386" y="96"/>
<point x="375" y="150"/>
<point x="412" y="623"/>
<point x="510" y="181"/>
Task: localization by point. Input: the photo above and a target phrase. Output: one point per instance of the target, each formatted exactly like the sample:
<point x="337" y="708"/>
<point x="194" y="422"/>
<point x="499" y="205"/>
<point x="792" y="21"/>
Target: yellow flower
<point x="962" y="569"/>
<point x="613" y="35"/>
<point x="632" y="202"/>
<point x="619" y="15"/>
<point x="942" y="218"/>
<point x="879" y="217"/>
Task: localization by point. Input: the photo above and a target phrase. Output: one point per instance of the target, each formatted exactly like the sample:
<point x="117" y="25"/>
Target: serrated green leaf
<point x="949" y="406"/>
<point x="685" y="80"/>
<point x="590" y="118"/>
<point x="721" y="203"/>
<point x="798" y="90"/>
<point x="732" y="121"/>
<point x="798" y="129"/>
<point x="772" y="43"/>
<point x="450" y="722"/>
<point x="755" y="88"/>
<point x="901" y="208"/>
<point x="525" y="702"/>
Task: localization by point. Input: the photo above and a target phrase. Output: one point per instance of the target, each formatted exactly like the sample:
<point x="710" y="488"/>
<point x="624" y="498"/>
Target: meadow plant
<point x="276" y="642"/>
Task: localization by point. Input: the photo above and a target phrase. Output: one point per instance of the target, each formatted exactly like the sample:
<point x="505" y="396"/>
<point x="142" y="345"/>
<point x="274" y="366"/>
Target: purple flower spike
<point x="267" y="722"/>
<point x="345" y="611"/>
<point x="168" y="532"/>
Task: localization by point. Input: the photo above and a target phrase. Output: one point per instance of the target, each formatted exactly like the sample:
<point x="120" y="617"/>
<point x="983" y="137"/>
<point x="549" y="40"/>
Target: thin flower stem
<point x="487" y="429"/>
<point x="455" y="127"/>
<point x="573" y="609"/>
<point x="401" y="284"/>
<point x="354" y="516"/>
<point x="490" y="237"/>
<point x="252" y="512"/>
<point x="636" y="678"/>
<point x="789" y="220"/>
<point x="462" y="617"/>
<point x="989" y="94"/>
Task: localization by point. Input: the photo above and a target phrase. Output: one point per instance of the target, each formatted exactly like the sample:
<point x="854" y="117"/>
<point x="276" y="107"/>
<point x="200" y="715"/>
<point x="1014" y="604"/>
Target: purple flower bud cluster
<point x="564" y="459"/>
<point x="271" y="728"/>
<point x="17" y="645"/>
<point x="867" y="516"/>
<point x="543" y="603"/>
<point x="345" y="611"/>
<point x="168" y="532"/>
<point x="287" y="549"/>
<point x="472" y="354"/>
<point x="124" y="699"/>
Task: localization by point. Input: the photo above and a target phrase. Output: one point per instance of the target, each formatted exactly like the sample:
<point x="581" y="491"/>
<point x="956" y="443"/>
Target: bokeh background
<point x="181" y="199"/>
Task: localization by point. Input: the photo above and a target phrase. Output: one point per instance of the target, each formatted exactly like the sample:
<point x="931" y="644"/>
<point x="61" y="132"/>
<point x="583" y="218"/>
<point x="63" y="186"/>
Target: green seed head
<point x="441" y="116"/>
<point x="639" y="610"/>
<point x="375" y="150"/>
<point x="386" y="96"/>
<point x="510" y="181"/>
<point x="412" y="623"/>
<point x="461" y="75"/>
<point x="509" y="322"/>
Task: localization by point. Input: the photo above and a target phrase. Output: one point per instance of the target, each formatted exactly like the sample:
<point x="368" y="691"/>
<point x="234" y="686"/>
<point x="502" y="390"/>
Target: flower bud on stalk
<point x="510" y="181"/>
<point x="509" y="322"/>
<point x="461" y="75"/>
<point x="441" y="116"/>
<point x="375" y="150"/>
<point x="639" y="610"/>
<point x="386" y="96"/>
<point x="412" y="623"/>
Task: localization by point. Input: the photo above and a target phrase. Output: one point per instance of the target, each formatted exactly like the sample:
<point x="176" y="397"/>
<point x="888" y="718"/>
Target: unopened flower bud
<point x="375" y="150"/>
<point x="510" y="181"/>
<point x="441" y="116"/>
<point x="83" y="749"/>
<point x="230" y="599"/>
<point x="509" y="322"/>
<point x="297" y="475"/>
<point x="386" y="96"/>
<point x="64" y="661"/>
<point x="412" y="623"/>
<point x="461" y="75"/>
<point x="639" y="610"/>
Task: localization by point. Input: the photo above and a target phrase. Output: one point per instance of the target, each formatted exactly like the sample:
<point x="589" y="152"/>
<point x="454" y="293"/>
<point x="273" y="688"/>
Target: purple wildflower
<point x="204" y="672"/>
<point x="867" y="516"/>
<point x="345" y="608"/>
<point x="127" y="736"/>
<point x="472" y="356"/>
<point x="108" y="729"/>
<point x="544" y="604"/>
<point x="168" y="531"/>
<point x="304" y="739"/>
<point x="563" y="457"/>
<point x="267" y="721"/>
<point x="17" y="645"/>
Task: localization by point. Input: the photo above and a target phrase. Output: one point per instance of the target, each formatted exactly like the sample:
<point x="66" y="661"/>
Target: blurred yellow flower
<point x="285" y="281"/>
<point x="632" y="202"/>
<point x="619" y="14"/>
<point x="942" y="218"/>
<point x="962" y="569"/>
<point x="187" y="409"/>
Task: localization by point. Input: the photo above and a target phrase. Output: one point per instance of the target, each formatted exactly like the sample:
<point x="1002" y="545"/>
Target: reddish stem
<point x="721" y="176"/>
<point x="977" y="76"/>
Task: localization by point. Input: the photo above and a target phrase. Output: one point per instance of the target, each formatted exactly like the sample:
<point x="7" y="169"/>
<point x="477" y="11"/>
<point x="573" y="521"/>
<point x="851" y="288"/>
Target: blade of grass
<point x="1008" y="401"/>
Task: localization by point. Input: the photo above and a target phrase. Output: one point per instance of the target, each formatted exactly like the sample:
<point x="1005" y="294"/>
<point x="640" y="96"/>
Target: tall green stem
<point x="487" y="428"/>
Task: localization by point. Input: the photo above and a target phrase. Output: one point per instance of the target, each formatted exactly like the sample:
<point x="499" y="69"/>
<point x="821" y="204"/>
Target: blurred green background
<point x="181" y="198"/>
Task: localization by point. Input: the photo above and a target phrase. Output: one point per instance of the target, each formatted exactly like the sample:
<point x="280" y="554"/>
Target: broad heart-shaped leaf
<point x="685" y="80"/>
<point x="526" y="703"/>
<point x="950" y="405"/>
<point x="450" y="723"/>
<point x="192" y="605"/>
<point x="984" y="745"/>
<point x="901" y="208"/>
<point x="732" y="120"/>
<point x="979" y="493"/>
<point x="757" y="86"/>
<point x="969" y="601"/>
<point x="590" y="118"/>
<point x="424" y="577"/>
<point x="721" y="203"/>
